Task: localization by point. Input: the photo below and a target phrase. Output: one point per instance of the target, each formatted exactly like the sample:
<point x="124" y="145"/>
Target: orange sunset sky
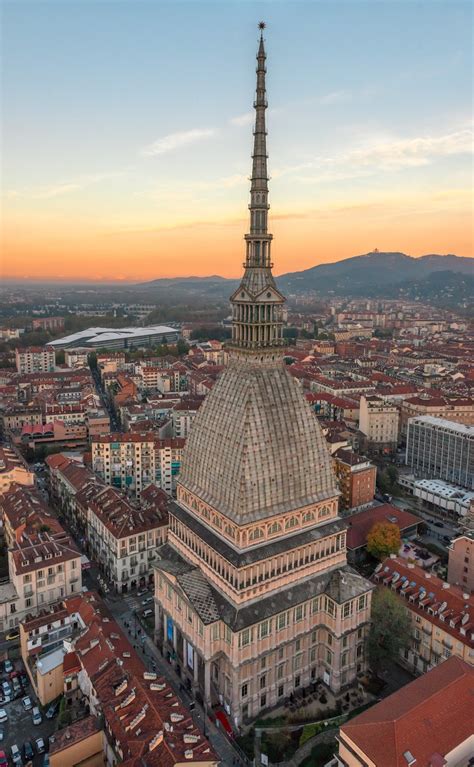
<point x="117" y="166"/>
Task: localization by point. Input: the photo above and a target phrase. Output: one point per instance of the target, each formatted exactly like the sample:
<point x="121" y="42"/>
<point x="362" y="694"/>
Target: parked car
<point x="40" y="746"/>
<point x="27" y="704"/>
<point x="46" y="760"/>
<point x="446" y="539"/>
<point x="142" y="592"/>
<point x="52" y="710"/>
<point x="4" y="699"/>
<point x="13" y="634"/>
<point x="24" y="680"/>
<point x="3" y="759"/>
<point x="6" y="689"/>
<point x="438" y="524"/>
<point x="7" y="666"/>
<point x="2" y="733"/>
<point x="147" y="613"/>
<point x="16" y="755"/>
<point x="36" y="715"/>
<point x="28" y="751"/>
<point x="3" y="715"/>
<point x="147" y="601"/>
<point x="17" y="690"/>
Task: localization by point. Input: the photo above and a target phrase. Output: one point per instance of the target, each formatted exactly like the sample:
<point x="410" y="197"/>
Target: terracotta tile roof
<point x="428" y="718"/>
<point x="360" y="524"/>
<point x="74" y="733"/>
<point x="444" y="605"/>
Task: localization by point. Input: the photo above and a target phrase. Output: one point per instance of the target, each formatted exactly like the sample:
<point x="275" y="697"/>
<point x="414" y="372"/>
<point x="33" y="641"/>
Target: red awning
<point x="221" y="716"/>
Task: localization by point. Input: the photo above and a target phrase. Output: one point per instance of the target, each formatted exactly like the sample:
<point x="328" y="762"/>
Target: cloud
<point x="59" y="189"/>
<point x="176" y="140"/>
<point x="389" y="155"/>
<point x="245" y="119"/>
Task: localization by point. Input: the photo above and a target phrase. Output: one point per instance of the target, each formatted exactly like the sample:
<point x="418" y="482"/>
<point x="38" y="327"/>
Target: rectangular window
<point x="281" y="671"/>
<point x="263" y="682"/>
<point x="263" y="701"/>
<point x="362" y="602"/>
<point x="215" y="631"/>
<point x="298" y="613"/>
<point x="329" y="606"/>
<point x="347" y="610"/>
<point x="281" y="691"/>
<point x="298" y="645"/>
<point x="315" y="605"/>
<point x="244" y="690"/>
<point x="282" y="621"/>
<point x="245" y="638"/>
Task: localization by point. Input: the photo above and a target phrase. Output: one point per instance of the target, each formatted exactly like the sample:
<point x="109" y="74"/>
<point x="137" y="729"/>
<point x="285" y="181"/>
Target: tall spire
<point x="256" y="305"/>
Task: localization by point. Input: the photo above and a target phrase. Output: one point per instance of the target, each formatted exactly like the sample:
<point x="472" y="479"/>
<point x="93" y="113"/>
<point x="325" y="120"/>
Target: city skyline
<point x="365" y="153"/>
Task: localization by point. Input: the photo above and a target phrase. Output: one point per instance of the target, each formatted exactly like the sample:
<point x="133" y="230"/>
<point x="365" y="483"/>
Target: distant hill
<point x="371" y="274"/>
<point x="361" y="275"/>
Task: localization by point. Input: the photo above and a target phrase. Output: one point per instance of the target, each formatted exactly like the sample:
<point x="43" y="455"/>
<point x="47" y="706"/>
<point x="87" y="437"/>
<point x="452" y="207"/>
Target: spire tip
<point x="261" y="26"/>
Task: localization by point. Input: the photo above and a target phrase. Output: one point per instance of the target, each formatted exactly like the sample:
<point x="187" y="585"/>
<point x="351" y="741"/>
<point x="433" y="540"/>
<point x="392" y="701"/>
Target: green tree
<point x="383" y="539"/>
<point x="182" y="347"/>
<point x="390" y="632"/>
<point x="392" y="474"/>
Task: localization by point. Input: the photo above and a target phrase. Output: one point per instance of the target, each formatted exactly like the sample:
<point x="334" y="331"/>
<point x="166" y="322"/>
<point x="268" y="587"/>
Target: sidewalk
<point x="149" y="653"/>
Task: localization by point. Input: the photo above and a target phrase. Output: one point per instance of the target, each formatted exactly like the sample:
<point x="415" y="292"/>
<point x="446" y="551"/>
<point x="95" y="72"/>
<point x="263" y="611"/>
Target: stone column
<point x="207" y="683"/>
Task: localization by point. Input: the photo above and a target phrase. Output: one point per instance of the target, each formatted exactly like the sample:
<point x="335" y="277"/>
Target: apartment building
<point x="458" y="409"/>
<point x="356" y="477"/>
<point x="35" y="359"/>
<point x="123" y="539"/>
<point x="441" y="449"/>
<point x="132" y="461"/>
<point x="461" y="561"/>
<point x="183" y="415"/>
<point x="44" y="564"/>
<point x="441" y="614"/>
<point x="378" y="422"/>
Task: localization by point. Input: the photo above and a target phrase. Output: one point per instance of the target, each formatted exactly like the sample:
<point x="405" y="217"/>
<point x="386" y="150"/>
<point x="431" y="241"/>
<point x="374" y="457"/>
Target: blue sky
<point x="136" y="117"/>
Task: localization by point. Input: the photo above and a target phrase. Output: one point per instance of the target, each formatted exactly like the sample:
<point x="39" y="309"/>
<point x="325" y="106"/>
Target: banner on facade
<point x="190" y="658"/>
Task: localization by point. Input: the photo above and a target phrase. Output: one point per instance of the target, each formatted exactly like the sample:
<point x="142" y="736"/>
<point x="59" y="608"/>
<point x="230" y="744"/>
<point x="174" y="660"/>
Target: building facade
<point x="442" y="615"/>
<point x="441" y="449"/>
<point x="254" y="598"/>
<point x="132" y="461"/>
<point x="378" y="421"/>
<point x="356" y="477"/>
<point x="35" y="359"/>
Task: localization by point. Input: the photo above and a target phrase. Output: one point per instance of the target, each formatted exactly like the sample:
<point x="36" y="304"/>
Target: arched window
<point x="275" y="527"/>
<point x="255" y="534"/>
<point x="291" y="523"/>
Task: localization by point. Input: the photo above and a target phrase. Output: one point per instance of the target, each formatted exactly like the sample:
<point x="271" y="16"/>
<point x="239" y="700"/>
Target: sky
<point x="127" y="133"/>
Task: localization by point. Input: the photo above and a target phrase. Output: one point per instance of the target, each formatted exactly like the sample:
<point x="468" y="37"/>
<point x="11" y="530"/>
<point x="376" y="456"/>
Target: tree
<point x="383" y="539"/>
<point x="392" y="474"/>
<point x="390" y="632"/>
<point x="181" y="347"/>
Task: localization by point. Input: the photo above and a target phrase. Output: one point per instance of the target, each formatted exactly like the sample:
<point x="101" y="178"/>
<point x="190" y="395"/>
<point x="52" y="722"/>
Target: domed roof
<point x="255" y="448"/>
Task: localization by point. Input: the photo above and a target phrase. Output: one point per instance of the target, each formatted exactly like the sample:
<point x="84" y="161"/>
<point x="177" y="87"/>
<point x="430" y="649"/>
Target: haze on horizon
<point x="127" y="134"/>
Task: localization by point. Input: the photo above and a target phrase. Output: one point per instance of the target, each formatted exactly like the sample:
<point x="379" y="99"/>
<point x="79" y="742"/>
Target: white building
<point x="441" y="449"/>
<point x="35" y="359"/>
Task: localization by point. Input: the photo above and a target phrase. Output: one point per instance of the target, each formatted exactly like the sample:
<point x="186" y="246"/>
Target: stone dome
<point x="255" y="448"/>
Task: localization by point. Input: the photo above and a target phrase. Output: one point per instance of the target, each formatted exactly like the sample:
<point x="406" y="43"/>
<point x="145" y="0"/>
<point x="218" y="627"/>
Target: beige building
<point x="459" y="409"/>
<point x="13" y="469"/>
<point x="35" y="359"/>
<point x="461" y="561"/>
<point x="254" y="598"/>
<point x="442" y="615"/>
<point x="80" y="745"/>
<point x="378" y="421"/>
